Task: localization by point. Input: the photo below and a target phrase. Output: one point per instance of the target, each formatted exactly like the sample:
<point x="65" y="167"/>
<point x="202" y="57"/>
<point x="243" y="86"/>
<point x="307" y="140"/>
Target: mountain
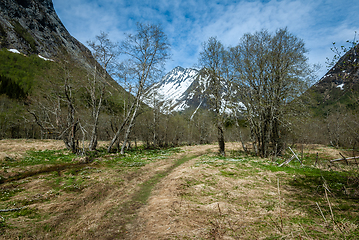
<point x="33" y="27"/>
<point x="339" y="87"/>
<point x="37" y="56"/>
<point x="174" y="90"/>
<point x="182" y="89"/>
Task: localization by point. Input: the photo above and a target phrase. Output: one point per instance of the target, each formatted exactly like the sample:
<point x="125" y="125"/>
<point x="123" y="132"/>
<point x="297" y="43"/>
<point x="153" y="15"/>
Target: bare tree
<point x="57" y="114"/>
<point x="104" y="51"/>
<point x="214" y="62"/>
<point x="147" y="51"/>
<point x="271" y="72"/>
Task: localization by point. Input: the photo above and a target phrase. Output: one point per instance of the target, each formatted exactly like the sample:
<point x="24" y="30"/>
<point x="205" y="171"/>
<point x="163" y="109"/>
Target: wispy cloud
<point x="189" y="23"/>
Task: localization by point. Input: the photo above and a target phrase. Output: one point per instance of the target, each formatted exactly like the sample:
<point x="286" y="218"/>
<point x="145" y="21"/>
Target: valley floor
<point x="179" y="193"/>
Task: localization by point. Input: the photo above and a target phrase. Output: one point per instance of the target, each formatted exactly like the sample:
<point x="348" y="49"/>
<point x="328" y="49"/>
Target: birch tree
<point x="214" y="62"/>
<point x="271" y="70"/>
<point x="104" y="51"/>
<point x="147" y="51"/>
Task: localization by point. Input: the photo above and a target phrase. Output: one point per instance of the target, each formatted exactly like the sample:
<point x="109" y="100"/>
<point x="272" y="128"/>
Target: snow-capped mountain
<point x="173" y="90"/>
<point x="182" y="88"/>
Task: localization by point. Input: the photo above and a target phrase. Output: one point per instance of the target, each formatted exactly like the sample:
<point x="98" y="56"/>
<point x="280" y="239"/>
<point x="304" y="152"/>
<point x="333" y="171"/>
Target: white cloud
<point x="188" y="23"/>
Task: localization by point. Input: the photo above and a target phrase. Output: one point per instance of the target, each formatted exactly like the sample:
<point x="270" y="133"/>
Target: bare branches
<point x="104" y="51"/>
<point x="214" y="62"/>
<point x="147" y="50"/>
<point x="270" y="70"/>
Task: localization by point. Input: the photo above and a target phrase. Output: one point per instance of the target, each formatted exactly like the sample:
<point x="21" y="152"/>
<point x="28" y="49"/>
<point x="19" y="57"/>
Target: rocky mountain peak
<point x="178" y="68"/>
<point x="33" y="27"/>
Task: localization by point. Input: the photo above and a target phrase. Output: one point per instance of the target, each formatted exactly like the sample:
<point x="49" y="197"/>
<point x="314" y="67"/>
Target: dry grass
<point x="207" y="197"/>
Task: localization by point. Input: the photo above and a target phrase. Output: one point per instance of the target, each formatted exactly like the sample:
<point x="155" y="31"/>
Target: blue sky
<point x="189" y="23"/>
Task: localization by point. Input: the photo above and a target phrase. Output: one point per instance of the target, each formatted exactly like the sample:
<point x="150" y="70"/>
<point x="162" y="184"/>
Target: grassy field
<point x="176" y="193"/>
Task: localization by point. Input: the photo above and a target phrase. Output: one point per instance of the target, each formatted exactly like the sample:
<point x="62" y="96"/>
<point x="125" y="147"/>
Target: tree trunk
<point x="128" y="131"/>
<point x="221" y="143"/>
<point x="119" y="130"/>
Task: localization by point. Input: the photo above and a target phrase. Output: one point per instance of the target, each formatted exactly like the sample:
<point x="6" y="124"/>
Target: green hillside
<point x="20" y="72"/>
<point x="31" y="84"/>
<point x="329" y="99"/>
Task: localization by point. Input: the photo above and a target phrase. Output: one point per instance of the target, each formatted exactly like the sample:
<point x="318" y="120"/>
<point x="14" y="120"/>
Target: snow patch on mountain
<point x="46" y="59"/>
<point x="14" y="51"/>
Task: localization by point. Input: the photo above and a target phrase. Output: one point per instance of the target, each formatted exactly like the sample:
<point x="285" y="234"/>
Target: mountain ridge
<point x="31" y="34"/>
<point x="183" y="88"/>
<point x="339" y="87"/>
<point x="33" y="27"/>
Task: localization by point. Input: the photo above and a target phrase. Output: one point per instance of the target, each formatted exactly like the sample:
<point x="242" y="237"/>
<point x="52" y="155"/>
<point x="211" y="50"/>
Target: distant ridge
<point x="182" y="89"/>
<point x="339" y="87"/>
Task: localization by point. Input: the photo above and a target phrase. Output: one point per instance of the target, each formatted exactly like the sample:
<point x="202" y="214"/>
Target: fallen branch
<point x="290" y="159"/>
<point x="343" y="159"/>
<point x="321" y="212"/>
<point x="296" y="156"/>
<point x="11" y="210"/>
<point x="330" y="206"/>
<point x="287" y="161"/>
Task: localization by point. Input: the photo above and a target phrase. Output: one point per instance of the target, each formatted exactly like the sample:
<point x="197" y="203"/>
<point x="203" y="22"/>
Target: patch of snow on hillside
<point x="14" y="51"/>
<point x="46" y="59"/>
<point x="173" y="90"/>
<point x="180" y="107"/>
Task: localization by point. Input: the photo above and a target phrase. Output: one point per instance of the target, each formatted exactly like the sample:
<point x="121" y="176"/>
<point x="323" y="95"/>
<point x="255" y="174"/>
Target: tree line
<point x="253" y="91"/>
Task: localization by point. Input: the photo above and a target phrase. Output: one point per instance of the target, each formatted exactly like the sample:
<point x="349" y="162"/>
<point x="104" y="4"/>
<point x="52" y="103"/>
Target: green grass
<point x="28" y="212"/>
<point x="305" y="184"/>
<point x="137" y="157"/>
<point x="7" y="193"/>
<point x="40" y="162"/>
<point x="47" y="157"/>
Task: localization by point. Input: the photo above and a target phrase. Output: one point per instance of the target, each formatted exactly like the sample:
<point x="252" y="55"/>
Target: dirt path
<point x="156" y="220"/>
<point x="107" y="207"/>
<point x="117" y="214"/>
